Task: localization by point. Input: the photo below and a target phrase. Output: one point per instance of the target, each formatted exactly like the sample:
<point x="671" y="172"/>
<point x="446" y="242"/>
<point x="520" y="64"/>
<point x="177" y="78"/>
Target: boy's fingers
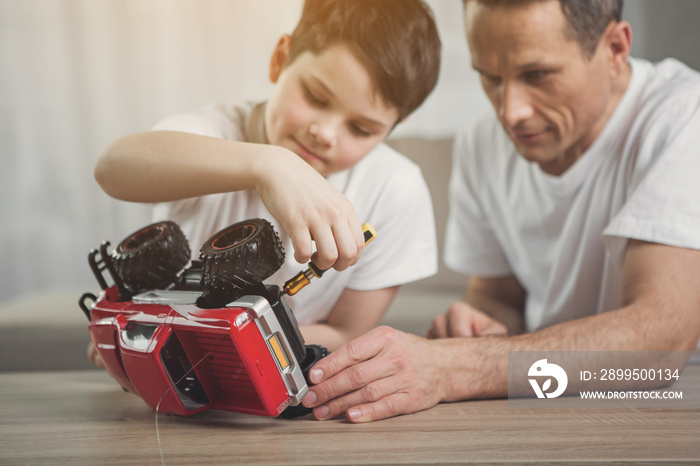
<point x="358" y="237"/>
<point x="94" y="356"/>
<point x="301" y="242"/>
<point x="326" y="250"/>
<point x="348" y="249"/>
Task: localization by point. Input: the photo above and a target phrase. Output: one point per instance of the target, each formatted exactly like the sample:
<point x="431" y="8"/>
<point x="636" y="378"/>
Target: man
<point x="574" y="212"/>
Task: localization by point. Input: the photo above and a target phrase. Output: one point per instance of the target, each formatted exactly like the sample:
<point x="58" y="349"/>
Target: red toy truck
<point x="209" y="336"/>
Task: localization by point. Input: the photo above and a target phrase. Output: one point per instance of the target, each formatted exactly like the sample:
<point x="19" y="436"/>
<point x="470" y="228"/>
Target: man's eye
<point x="488" y="79"/>
<point x="535" y="75"/>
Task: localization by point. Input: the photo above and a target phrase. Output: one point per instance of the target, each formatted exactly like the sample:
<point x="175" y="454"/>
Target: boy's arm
<point x="160" y="166"/>
<point x="355" y="313"/>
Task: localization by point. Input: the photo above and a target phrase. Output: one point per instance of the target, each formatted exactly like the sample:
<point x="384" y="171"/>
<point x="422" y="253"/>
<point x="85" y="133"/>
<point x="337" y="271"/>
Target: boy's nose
<point x="324" y="134"/>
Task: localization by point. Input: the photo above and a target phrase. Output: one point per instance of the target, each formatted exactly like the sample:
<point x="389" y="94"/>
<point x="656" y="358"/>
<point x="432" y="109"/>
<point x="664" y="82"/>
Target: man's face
<point x="551" y="99"/>
<point x="326" y="108"/>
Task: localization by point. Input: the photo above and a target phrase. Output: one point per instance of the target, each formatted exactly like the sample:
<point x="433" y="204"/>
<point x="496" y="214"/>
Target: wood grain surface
<point x="83" y="417"/>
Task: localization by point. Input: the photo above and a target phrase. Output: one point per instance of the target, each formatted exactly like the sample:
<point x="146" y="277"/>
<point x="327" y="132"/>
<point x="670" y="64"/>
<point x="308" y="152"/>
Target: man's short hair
<point x="396" y="39"/>
<point x="586" y="19"/>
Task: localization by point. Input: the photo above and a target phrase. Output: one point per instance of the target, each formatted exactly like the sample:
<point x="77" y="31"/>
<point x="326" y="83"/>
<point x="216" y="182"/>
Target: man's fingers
<point x="459" y="321"/>
<point x="348" y="368"/>
<point x="438" y="329"/>
<point x="389" y="406"/>
<point x="492" y="328"/>
<point x="360" y="349"/>
<point x="371" y="393"/>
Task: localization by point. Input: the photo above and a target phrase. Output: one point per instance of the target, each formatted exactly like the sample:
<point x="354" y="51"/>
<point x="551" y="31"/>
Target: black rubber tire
<point x="314" y="353"/>
<point x="151" y="257"/>
<point x="241" y="255"/>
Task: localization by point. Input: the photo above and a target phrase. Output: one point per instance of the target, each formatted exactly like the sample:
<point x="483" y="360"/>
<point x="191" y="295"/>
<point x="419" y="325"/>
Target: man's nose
<point x="516" y="105"/>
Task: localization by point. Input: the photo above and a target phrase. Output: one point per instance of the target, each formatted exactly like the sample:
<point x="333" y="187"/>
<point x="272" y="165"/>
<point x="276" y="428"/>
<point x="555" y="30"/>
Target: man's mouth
<point x="527" y="137"/>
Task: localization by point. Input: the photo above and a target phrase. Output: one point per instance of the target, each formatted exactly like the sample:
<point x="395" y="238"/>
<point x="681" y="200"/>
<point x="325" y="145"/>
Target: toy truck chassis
<point x="210" y="336"/>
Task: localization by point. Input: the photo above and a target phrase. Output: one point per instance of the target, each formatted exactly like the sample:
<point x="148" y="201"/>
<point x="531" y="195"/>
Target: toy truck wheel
<point x="151" y="257"/>
<point x="245" y="253"/>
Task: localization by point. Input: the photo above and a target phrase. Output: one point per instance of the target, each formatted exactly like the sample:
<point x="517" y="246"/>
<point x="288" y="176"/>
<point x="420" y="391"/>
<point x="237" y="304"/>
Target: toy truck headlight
<point x="138" y="336"/>
<point x="278" y="352"/>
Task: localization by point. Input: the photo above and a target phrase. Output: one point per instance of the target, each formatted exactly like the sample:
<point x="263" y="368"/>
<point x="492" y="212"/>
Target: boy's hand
<point x="310" y="209"/>
<point x="462" y="320"/>
<point x="94" y="356"/>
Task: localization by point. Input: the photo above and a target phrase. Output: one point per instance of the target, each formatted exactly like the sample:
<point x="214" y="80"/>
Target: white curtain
<point x="76" y="74"/>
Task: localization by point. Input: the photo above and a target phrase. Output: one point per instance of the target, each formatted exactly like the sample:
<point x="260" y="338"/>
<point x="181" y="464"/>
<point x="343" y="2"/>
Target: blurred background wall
<point x="76" y="74"/>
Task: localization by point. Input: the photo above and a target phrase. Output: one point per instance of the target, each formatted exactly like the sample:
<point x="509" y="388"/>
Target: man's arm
<point x="160" y="166"/>
<point x="491" y="306"/>
<point x="355" y="313"/>
<point x="386" y="372"/>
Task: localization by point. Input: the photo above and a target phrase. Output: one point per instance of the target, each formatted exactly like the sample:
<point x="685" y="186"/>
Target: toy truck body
<point x="182" y="351"/>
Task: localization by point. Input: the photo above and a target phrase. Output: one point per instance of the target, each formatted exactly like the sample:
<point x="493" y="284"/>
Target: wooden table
<point x="85" y="418"/>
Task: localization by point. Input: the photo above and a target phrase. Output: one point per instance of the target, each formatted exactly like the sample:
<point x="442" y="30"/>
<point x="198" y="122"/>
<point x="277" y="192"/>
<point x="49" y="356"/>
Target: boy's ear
<point x="279" y="57"/>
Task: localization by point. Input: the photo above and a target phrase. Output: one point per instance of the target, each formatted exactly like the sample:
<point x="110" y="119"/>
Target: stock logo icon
<point x="541" y="369"/>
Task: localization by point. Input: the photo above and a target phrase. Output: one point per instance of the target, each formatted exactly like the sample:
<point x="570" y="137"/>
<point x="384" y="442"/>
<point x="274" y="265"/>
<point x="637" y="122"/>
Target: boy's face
<point x="325" y="107"/>
<point x="551" y="99"/>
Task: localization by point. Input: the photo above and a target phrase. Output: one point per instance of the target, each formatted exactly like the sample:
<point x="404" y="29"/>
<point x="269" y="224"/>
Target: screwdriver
<point x="300" y="280"/>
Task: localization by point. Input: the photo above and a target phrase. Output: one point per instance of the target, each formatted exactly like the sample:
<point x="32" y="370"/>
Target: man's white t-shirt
<point x="564" y="237"/>
<point x="386" y="189"/>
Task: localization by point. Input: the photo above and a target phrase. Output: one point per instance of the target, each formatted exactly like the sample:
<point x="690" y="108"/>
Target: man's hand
<point x="462" y="320"/>
<point x="309" y="208"/>
<point x="382" y="374"/>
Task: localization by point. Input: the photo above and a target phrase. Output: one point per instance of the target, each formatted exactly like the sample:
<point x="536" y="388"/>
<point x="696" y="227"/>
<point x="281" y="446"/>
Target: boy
<point x="309" y="161"/>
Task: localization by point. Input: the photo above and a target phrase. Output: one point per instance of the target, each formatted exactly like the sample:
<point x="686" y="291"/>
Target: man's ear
<point x="279" y="57"/>
<point x="618" y="39"/>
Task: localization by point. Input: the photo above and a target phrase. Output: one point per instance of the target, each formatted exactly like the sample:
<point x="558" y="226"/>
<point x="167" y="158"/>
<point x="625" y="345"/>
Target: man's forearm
<point x="478" y="367"/>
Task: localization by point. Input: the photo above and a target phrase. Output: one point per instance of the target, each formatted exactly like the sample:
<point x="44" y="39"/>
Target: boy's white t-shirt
<point x="564" y="237"/>
<point x="386" y="189"/>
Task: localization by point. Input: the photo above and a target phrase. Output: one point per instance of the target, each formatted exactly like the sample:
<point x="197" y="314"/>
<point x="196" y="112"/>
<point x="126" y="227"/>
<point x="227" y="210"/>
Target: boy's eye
<point x="311" y="97"/>
<point x="359" y="131"/>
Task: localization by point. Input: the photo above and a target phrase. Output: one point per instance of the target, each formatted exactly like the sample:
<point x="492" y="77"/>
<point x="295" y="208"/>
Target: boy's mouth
<point x="306" y="153"/>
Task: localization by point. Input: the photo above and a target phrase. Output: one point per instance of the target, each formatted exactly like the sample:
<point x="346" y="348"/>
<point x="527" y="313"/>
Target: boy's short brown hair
<point x="396" y="39"/>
